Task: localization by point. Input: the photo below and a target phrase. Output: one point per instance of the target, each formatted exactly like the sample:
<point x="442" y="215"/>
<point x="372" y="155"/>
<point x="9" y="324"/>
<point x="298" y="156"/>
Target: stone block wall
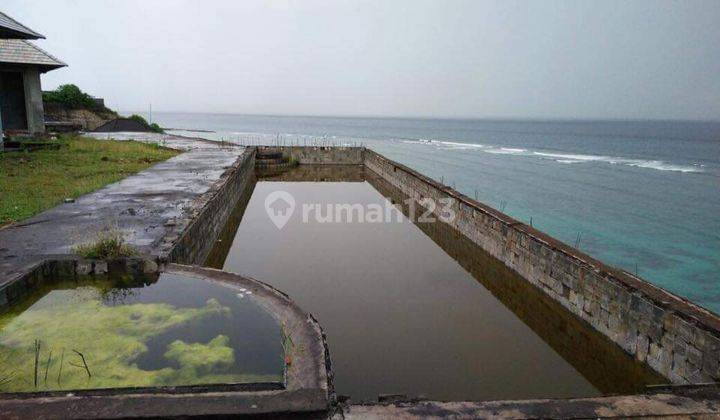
<point x="675" y="337"/>
<point x="215" y="209"/>
<point x="310" y="155"/>
<point x="58" y="268"/>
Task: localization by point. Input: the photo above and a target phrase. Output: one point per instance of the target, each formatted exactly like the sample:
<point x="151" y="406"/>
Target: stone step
<point x="268" y="155"/>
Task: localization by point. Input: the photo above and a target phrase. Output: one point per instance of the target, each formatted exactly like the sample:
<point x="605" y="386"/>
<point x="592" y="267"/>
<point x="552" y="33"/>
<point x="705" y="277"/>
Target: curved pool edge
<point x="307" y="387"/>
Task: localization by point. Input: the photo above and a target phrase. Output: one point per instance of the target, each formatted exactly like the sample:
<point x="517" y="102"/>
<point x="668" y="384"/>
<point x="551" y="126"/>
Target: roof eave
<point x="6" y="33"/>
<point x="16" y="30"/>
<point x="43" y="68"/>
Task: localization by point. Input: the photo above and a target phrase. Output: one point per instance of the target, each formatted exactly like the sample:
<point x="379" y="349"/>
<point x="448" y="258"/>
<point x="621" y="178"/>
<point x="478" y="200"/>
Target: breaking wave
<point x="447" y="144"/>
<point x="565" y="158"/>
<point x="506" y="151"/>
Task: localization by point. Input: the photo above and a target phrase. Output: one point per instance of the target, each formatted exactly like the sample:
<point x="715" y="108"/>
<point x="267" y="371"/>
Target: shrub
<point x="154" y="127"/>
<point x="71" y="96"/>
<point x="108" y="245"/>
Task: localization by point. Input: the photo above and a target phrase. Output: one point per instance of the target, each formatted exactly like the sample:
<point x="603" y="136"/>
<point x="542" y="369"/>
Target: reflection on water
<point x="112" y="333"/>
<point x="316" y="173"/>
<point x="598" y="359"/>
<point x="420" y="310"/>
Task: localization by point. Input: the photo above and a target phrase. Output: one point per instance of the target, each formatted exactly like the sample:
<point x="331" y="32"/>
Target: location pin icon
<point x="279" y="206"/>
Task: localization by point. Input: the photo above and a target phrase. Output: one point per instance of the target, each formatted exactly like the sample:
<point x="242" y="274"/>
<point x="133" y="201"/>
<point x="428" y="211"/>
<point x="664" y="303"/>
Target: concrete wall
<point x="200" y="236"/>
<point x="324" y="155"/>
<point x="33" y="101"/>
<point x="67" y="267"/>
<point x="676" y="338"/>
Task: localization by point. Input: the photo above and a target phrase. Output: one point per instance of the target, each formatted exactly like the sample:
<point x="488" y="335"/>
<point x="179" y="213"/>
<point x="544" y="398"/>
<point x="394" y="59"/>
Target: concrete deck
<point x="146" y="207"/>
<point x="701" y="402"/>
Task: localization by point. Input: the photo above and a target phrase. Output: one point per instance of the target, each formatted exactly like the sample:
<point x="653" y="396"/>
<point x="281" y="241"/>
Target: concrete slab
<point x="145" y="207"/>
<point x="691" y="402"/>
<point x="167" y="140"/>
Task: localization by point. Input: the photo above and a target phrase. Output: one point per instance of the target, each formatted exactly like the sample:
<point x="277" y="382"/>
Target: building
<point x="21" y="64"/>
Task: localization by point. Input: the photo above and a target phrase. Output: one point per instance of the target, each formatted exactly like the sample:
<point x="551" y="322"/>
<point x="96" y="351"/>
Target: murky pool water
<point x="110" y="333"/>
<point x="416" y="308"/>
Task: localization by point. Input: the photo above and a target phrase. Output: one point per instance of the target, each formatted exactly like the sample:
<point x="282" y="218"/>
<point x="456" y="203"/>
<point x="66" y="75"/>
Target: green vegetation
<point x="31" y="182"/>
<point x="202" y="358"/>
<point x="70" y="339"/>
<point x="108" y="245"/>
<point x="154" y="127"/>
<point x="290" y="160"/>
<point x="72" y="97"/>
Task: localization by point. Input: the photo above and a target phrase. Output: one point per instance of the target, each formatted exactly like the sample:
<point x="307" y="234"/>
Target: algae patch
<point x="70" y="339"/>
<point x="202" y="358"/>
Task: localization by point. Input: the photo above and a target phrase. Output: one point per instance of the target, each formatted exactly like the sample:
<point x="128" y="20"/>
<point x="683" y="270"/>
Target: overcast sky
<point x="444" y="58"/>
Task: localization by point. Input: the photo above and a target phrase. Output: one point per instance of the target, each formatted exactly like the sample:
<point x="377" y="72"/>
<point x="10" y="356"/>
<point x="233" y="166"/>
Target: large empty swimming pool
<point x="414" y="308"/>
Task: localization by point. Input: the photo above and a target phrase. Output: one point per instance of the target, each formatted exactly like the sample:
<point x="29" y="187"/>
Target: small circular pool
<point x="121" y="331"/>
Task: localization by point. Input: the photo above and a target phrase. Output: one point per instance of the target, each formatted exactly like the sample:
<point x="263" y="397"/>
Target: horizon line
<point x="448" y="118"/>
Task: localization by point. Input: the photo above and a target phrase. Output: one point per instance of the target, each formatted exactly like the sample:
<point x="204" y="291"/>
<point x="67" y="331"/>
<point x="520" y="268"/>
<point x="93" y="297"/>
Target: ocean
<point x="639" y="195"/>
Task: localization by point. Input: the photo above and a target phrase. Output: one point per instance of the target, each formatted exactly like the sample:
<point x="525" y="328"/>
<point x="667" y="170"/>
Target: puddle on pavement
<point x="417" y="309"/>
<point x="127" y="332"/>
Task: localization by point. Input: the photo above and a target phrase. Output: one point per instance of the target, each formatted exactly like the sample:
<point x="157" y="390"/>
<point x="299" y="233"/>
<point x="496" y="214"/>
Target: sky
<point x="544" y="59"/>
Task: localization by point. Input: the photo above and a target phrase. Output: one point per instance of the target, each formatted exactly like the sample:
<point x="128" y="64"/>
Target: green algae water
<point x="172" y="331"/>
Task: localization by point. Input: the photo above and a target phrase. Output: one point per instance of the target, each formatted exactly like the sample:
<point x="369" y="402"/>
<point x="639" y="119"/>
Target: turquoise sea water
<point x="643" y="196"/>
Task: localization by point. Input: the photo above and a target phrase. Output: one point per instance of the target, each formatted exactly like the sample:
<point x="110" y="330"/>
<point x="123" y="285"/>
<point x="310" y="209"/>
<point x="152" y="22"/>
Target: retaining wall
<point x="68" y="267"/>
<point x="675" y="337"/>
<point x="215" y="209"/>
<point x="310" y="155"/>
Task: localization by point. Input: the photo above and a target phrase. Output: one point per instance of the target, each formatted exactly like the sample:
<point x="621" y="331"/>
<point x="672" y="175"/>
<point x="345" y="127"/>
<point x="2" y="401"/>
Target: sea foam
<point x="565" y="158"/>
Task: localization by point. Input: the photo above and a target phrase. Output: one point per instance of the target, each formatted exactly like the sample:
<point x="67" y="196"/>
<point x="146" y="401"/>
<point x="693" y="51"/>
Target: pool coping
<point x="694" y="401"/>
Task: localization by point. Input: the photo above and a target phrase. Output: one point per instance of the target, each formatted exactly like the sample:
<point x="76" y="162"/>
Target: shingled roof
<point x="12" y="29"/>
<point x="19" y="51"/>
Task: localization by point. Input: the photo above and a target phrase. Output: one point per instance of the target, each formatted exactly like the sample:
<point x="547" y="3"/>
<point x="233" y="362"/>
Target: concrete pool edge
<point x="309" y="368"/>
<point x="191" y="242"/>
<point x="698" y="401"/>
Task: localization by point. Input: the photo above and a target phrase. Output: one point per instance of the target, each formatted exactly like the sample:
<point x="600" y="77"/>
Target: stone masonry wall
<point x="198" y="238"/>
<point x="673" y="336"/>
<point x="308" y="155"/>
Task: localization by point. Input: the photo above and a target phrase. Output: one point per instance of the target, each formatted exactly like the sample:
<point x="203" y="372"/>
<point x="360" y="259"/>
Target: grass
<point x="31" y="182"/>
<point x="107" y="245"/>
